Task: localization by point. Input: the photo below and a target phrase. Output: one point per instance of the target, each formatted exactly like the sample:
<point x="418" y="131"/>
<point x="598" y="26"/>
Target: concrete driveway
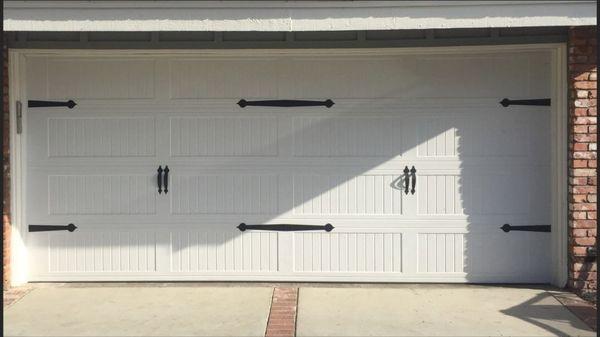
<point x="314" y="310"/>
<point x="435" y="310"/>
<point x="140" y="311"/>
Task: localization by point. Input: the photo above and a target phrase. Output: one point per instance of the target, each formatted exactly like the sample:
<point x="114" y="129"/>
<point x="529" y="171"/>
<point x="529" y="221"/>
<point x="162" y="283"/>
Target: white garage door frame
<point x="17" y="85"/>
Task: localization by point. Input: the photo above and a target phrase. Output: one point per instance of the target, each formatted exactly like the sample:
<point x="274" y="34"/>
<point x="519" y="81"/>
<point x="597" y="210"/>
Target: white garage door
<point x="478" y="166"/>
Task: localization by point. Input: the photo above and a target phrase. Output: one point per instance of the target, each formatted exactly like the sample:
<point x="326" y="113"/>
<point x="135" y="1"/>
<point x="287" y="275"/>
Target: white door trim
<point x="559" y="172"/>
<point x="558" y="134"/>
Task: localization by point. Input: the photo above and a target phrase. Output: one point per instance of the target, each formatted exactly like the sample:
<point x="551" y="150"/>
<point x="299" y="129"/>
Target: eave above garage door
<point x="287" y="40"/>
<point x="291" y="15"/>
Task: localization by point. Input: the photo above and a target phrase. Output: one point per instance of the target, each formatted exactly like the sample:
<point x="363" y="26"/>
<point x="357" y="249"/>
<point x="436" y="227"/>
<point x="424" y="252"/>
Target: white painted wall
<point x="290" y="15"/>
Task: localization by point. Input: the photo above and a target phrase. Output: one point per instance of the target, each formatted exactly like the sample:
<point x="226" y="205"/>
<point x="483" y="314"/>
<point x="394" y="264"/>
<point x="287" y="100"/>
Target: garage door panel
<point x="437" y="137"/>
<point x="332" y="72"/>
<point x="478" y="166"/>
<point x="348" y="252"/>
<point x="76" y="193"/>
<point x="372" y="194"/>
<point x="502" y="193"/>
<point x="514" y="255"/>
<point x="510" y="135"/>
<point x="497" y="73"/>
<point x="509" y="190"/>
<point x="101" y="137"/>
<point x="90" y="78"/>
<point x="348" y="136"/>
<point x="100" y="78"/>
<point x="233" y="136"/>
<point x="209" y="251"/>
<point x="506" y="73"/>
<point x="271" y="78"/>
<point x="539" y="77"/>
<point x="95" y="251"/>
<point x="224" y="78"/>
<point x="468" y="134"/>
<point x="90" y="135"/>
<point x="228" y="193"/>
<point x="36" y="73"/>
<point x="440" y="194"/>
<point x="440" y="253"/>
<point x="101" y="195"/>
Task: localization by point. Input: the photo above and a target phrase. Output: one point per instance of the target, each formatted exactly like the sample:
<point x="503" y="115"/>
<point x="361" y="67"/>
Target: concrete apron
<point x="434" y="310"/>
<point x="140" y="311"/>
<point x="242" y="309"/>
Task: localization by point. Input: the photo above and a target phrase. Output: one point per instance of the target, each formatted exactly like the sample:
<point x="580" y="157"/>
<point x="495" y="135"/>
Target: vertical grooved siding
<point x="582" y="79"/>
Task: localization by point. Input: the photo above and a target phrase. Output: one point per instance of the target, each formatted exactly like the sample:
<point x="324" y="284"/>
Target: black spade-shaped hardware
<point x="539" y="102"/>
<point x="286" y="103"/>
<point x="43" y="104"/>
<point x="285" y="227"/>
<point x="47" y="228"/>
<point x="542" y="228"/>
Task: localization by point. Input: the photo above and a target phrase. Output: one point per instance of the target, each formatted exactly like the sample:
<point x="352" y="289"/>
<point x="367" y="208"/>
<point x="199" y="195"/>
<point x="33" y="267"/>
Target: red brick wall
<point x="582" y="158"/>
<point x="6" y="182"/>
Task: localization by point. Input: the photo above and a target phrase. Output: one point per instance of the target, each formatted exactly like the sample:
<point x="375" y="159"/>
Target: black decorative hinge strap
<point x="46" y="228"/>
<point x="285" y="103"/>
<point x="543" y="228"/>
<point x="540" y="102"/>
<point x="286" y="227"/>
<point x="43" y="104"/>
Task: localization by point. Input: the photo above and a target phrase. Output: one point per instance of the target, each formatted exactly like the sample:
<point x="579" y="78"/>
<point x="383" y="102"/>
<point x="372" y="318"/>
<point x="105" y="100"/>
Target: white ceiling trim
<point x="290" y="15"/>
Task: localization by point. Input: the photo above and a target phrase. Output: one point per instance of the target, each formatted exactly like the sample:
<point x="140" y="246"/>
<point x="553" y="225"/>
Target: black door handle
<point x="406" y="179"/>
<point x="166" y="179"/>
<point x="413" y="173"/>
<point x="159" y="179"/>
